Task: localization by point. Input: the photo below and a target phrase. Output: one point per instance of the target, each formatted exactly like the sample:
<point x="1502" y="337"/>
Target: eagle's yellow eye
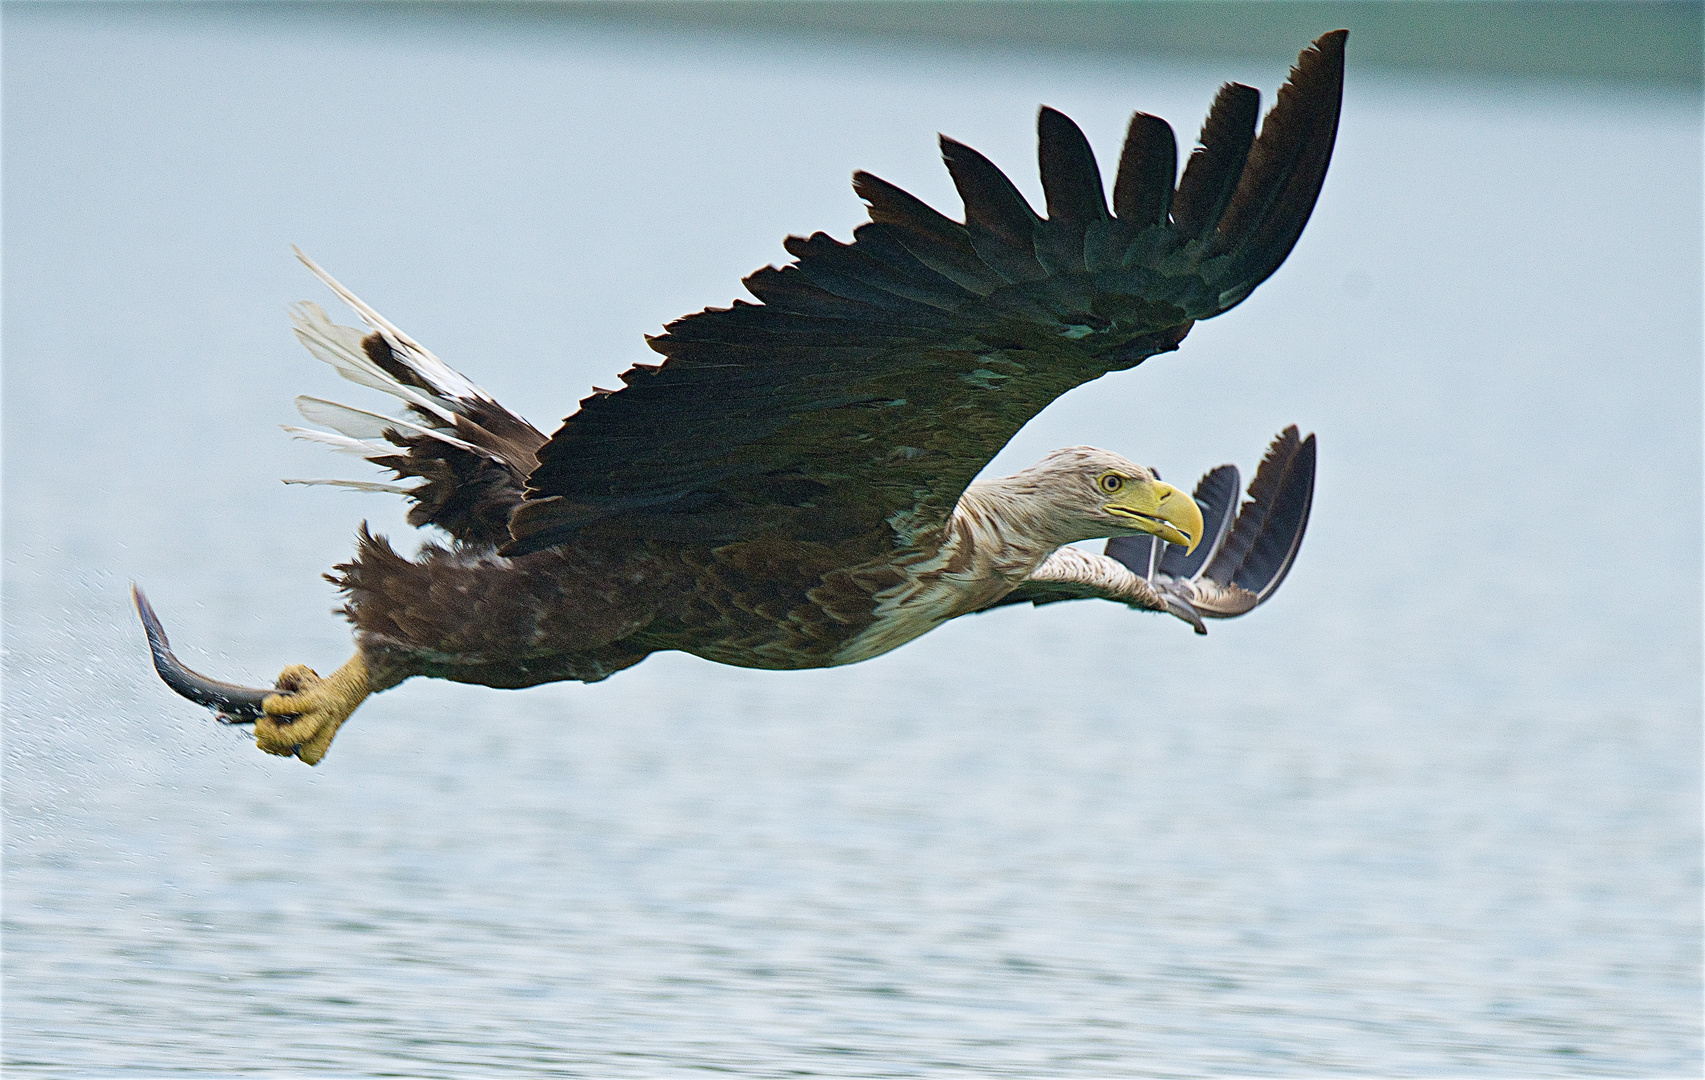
<point x="1111" y="483"/>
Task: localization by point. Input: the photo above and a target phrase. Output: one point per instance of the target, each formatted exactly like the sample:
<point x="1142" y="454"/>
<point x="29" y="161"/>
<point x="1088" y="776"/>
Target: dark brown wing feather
<point x="1286" y="167"/>
<point x="875" y="379"/>
<point x="1214" y="168"/>
<point x="1148" y="167"/>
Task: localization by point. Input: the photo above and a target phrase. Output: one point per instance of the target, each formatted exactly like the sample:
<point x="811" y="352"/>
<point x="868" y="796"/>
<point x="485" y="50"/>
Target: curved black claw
<point x="232" y="703"/>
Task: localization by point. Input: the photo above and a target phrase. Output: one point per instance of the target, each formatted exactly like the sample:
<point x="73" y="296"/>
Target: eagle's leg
<point x="302" y="718"/>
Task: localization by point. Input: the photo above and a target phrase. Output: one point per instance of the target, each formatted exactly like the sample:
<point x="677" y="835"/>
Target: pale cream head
<point x="1087" y="493"/>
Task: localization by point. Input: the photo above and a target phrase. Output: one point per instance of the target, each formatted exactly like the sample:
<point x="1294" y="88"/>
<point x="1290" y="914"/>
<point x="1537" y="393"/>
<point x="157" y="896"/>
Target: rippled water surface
<point x="1432" y="811"/>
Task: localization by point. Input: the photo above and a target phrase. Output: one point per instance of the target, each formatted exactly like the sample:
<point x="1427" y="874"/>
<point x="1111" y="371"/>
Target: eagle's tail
<point x="472" y="454"/>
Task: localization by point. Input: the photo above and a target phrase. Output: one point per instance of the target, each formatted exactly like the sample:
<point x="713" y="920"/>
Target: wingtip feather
<point x="1286" y="168"/>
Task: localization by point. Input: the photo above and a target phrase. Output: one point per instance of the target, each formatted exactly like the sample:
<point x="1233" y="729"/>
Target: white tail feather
<point x="357" y="485"/>
<point x="354" y="423"/>
<point x="362" y="424"/>
<point x="340" y="346"/>
<point x="447" y="381"/>
<point x="444" y="397"/>
<point x="361" y="448"/>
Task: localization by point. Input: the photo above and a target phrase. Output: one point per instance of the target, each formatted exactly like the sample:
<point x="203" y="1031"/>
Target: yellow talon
<point x="304" y="716"/>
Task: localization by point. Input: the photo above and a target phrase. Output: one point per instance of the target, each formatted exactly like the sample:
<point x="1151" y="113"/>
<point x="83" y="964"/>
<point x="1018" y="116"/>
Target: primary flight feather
<point x="792" y="485"/>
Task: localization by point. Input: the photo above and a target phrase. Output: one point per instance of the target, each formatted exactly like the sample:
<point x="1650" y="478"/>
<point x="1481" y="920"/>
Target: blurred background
<point x="1432" y="811"/>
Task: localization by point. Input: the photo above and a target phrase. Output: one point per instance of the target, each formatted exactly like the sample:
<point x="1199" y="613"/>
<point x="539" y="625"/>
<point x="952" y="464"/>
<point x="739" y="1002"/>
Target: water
<point x="1432" y="811"/>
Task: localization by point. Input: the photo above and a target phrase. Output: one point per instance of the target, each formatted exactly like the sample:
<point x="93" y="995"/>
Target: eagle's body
<point x="793" y="486"/>
<point x="604" y="601"/>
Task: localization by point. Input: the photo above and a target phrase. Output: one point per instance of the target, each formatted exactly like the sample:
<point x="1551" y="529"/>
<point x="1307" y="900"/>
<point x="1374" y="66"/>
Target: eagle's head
<point x="1090" y="493"/>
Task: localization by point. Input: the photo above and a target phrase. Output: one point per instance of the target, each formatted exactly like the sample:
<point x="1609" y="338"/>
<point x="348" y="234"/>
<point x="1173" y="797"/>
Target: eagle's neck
<point x="1002" y="529"/>
<point x="1000" y="532"/>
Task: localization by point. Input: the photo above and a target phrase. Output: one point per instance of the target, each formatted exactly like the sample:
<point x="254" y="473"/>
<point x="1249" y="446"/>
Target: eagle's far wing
<point x="875" y="379"/>
<point x="1255" y="552"/>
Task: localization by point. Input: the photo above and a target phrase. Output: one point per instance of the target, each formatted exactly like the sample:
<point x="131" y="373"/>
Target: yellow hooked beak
<point x="1161" y="509"/>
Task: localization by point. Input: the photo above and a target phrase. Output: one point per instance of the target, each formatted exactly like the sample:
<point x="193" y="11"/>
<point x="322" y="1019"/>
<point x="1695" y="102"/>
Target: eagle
<point x="795" y="484"/>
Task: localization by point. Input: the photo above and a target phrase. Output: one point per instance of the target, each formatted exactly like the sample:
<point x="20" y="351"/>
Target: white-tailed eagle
<point x="792" y="486"/>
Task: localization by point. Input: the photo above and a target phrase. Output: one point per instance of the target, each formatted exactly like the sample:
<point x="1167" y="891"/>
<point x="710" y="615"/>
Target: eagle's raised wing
<point x="876" y="379"/>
